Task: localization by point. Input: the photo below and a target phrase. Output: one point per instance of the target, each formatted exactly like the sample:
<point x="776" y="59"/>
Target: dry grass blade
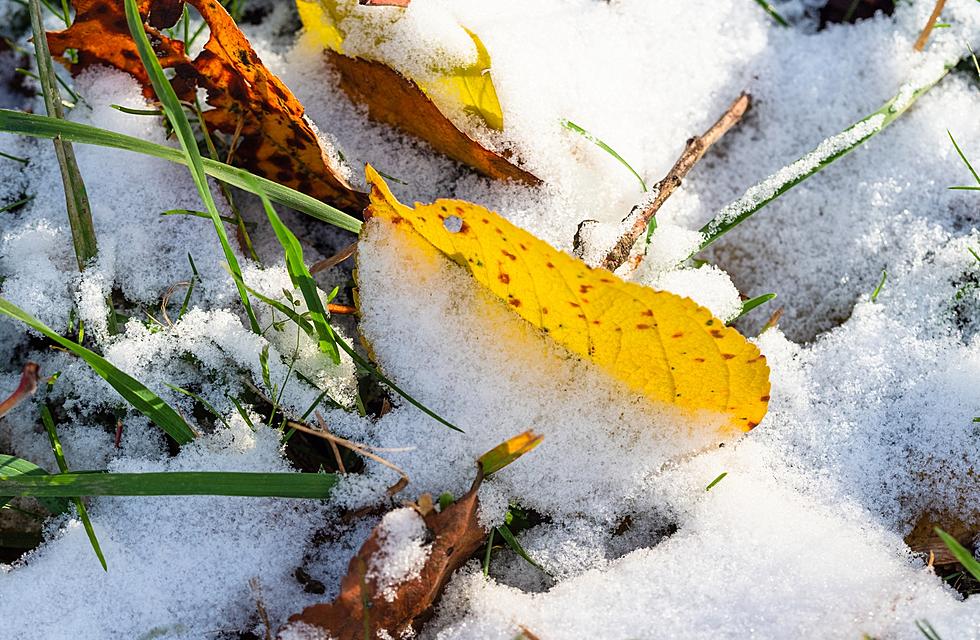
<point x="356" y="448"/>
<point x="334" y="260"/>
<point x="693" y="152"/>
<point x="920" y="42"/>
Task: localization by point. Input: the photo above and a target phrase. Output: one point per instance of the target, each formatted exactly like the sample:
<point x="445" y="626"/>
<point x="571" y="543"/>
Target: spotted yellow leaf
<point x="469" y="86"/>
<point x="663" y="345"/>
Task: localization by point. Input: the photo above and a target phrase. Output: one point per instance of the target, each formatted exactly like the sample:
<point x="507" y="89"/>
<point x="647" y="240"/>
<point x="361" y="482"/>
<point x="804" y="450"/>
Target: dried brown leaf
<point x="249" y="102"/>
<point x="396" y="100"/>
<point x="362" y="611"/>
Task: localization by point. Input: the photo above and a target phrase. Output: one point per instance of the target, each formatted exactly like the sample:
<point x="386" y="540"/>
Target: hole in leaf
<point x="453" y="224"/>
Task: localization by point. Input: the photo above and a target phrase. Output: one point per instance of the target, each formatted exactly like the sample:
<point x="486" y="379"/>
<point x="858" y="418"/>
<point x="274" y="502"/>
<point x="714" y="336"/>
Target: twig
<point x="334" y="260"/>
<point x="920" y="42"/>
<point x="693" y="151"/>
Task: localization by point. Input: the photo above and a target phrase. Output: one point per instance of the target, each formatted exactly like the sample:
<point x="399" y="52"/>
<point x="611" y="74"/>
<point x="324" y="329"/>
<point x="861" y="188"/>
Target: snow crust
<point x="871" y="417"/>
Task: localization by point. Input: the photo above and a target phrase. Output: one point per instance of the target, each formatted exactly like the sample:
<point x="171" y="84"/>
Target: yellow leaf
<point x="658" y="343"/>
<point x="470" y="86"/>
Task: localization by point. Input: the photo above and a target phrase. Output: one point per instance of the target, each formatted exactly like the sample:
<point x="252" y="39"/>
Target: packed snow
<point x="871" y="419"/>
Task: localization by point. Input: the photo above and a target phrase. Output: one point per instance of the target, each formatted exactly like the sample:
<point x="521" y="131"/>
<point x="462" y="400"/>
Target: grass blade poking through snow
<point x="768" y="8"/>
<point x="966" y="161"/>
<point x="362" y="362"/>
<point x="131" y="389"/>
<point x="30" y="124"/>
<point x="178" y="120"/>
<point x="963" y="555"/>
<point x="59" y="455"/>
<point x="301" y="277"/>
<point x="749" y="305"/>
<point x="826" y="152"/>
<point x="571" y="126"/>
<point x="76" y="199"/>
<point x="174" y="483"/>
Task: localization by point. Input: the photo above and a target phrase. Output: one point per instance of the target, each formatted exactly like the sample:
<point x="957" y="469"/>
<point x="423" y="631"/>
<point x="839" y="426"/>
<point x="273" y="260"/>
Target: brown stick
<point x="920" y="42"/>
<point x="693" y="152"/>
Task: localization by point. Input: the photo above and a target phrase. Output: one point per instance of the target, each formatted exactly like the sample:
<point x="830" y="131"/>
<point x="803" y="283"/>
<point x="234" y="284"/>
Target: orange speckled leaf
<point x="101" y="37"/>
<point x="264" y="119"/>
<point x="658" y="343"/>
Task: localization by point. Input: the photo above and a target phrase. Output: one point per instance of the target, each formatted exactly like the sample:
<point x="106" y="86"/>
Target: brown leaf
<point x="396" y="100"/>
<point x="100" y="34"/>
<point x="362" y="611"/>
<point x="923" y="538"/>
<point x="270" y="133"/>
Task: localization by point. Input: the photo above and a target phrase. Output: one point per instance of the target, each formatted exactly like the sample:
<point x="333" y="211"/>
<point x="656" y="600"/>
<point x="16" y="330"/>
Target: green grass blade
<point x="177" y="483"/>
<point x="374" y="372"/>
<point x="721" y="476"/>
<point x="195" y="276"/>
<point x="13" y="467"/>
<point x="59" y="455"/>
<point x="8" y="156"/>
<point x="301" y="278"/>
<point x="182" y="128"/>
<point x="132" y="390"/>
<point x="204" y="403"/>
<point x="571" y="126"/>
<point x="809" y="165"/>
<point x="488" y="553"/>
<point x="768" y="8"/>
<point x="515" y="546"/>
<point x="749" y="305"/>
<point x="36" y="126"/>
<point x="926" y="629"/>
<point x="76" y="198"/>
<point x="963" y="157"/>
<point x="14" y="205"/>
<point x="961" y="553"/>
<point x="881" y="285"/>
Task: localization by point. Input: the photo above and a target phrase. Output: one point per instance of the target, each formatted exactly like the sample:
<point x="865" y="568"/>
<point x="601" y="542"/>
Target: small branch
<point x="693" y="151"/>
<point x="920" y="42"/>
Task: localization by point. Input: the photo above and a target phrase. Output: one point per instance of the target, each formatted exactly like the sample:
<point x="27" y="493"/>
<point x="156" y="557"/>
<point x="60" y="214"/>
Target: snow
<point x="870" y="423"/>
<point x="402" y="551"/>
